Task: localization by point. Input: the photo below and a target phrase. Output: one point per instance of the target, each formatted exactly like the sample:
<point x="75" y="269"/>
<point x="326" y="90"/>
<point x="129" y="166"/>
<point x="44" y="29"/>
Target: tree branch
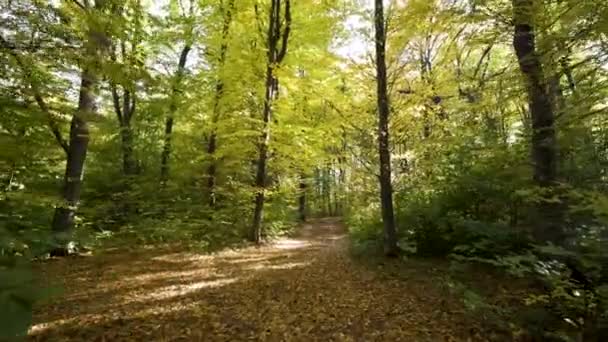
<point x="37" y="94"/>
<point x="285" y="35"/>
<point x="83" y="7"/>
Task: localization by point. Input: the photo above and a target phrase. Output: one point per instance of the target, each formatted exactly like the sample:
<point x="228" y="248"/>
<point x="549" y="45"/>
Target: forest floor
<point x="306" y="287"/>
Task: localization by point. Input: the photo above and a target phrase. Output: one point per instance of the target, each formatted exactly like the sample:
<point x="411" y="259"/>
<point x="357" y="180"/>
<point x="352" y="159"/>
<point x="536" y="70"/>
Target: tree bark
<point x="164" y="159"/>
<point x="275" y="56"/>
<point x="63" y="220"/>
<point x="260" y="177"/>
<point x="129" y="162"/>
<point x="164" y="163"/>
<point x="302" y="199"/>
<point x="219" y="91"/>
<point x="337" y="190"/>
<point x="386" y="192"/>
<point x="125" y="103"/>
<point x="124" y="115"/>
<point x="541" y="112"/>
<point x="328" y="189"/>
<point x="543" y="144"/>
<point x="341" y="186"/>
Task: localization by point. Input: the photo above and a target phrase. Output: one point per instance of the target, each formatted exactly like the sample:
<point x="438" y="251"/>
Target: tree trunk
<point x="164" y="163"/>
<point x="126" y="133"/>
<point x="219" y="90"/>
<point x="543" y="132"/>
<point x="129" y="163"/>
<point x="130" y="168"/>
<point x="124" y="115"/>
<point x="212" y="169"/>
<point x="328" y="188"/>
<point x="275" y="56"/>
<point x="341" y="187"/>
<point x="260" y="177"/>
<point x="302" y="199"/>
<point x="164" y="159"/>
<point x="544" y="145"/>
<point x="63" y="220"/>
<point x="319" y="204"/>
<point x="386" y="192"/>
<point x="337" y="190"/>
<point x="124" y="104"/>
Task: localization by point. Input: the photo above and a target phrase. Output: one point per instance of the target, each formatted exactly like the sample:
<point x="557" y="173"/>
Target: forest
<point x="304" y="170"/>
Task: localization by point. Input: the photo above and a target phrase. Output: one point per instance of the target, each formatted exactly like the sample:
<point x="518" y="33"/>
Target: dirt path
<point x="306" y="288"/>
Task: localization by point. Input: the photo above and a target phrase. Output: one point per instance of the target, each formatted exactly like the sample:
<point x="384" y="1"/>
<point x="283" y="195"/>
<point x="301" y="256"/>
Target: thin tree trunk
<point x="260" y="177"/>
<point x="323" y="182"/>
<point x="344" y="199"/>
<point x="328" y="189"/>
<point x="275" y="56"/>
<point x="129" y="163"/>
<point x="544" y="155"/>
<point x="568" y="73"/>
<point x="319" y="192"/>
<point x="212" y="169"/>
<point x="302" y="199"/>
<point x="130" y="169"/>
<point x="164" y="163"/>
<point x="124" y="115"/>
<point x="126" y="133"/>
<point x="63" y="220"/>
<point x="164" y="159"/>
<point x="386" y="192"/>
<point x="337" y="187"/>
<point x="341" y="187"/>
<point x="219" y="91"/>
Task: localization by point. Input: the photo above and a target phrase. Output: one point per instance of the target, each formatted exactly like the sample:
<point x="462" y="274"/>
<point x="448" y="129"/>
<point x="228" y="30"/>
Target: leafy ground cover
<point x="303" y="288"/>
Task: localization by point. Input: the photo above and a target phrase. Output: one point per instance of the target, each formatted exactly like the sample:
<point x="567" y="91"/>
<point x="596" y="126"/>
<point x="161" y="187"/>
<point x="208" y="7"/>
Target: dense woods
<point x="471" y="133"/>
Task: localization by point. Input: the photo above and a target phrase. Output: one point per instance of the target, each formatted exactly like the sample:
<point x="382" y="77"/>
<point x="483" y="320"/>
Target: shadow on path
<point x="302" y="288"/>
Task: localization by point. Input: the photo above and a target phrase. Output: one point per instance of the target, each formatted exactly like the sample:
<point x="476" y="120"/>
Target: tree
<point x="386" y="191"/>
<point x="126" y="58"/>
<point x="179" y="74"/>
<point x="302" y="198"/>
<point x="543" y="145"/>
<point x="95" y="48"/>
<point x="53" y="125"/>
<point x="277" y="39"/>
<point x="543" y="135"/>
<point x="186" y="20"/>
<point x="227" y="13"/>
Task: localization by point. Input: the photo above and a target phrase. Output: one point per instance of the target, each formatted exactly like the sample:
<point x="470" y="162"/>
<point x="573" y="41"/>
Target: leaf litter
<point x="303" y="288"/>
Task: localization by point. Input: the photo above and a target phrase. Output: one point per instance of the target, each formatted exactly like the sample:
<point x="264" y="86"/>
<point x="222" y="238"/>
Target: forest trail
<point x="303" y="288"/>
